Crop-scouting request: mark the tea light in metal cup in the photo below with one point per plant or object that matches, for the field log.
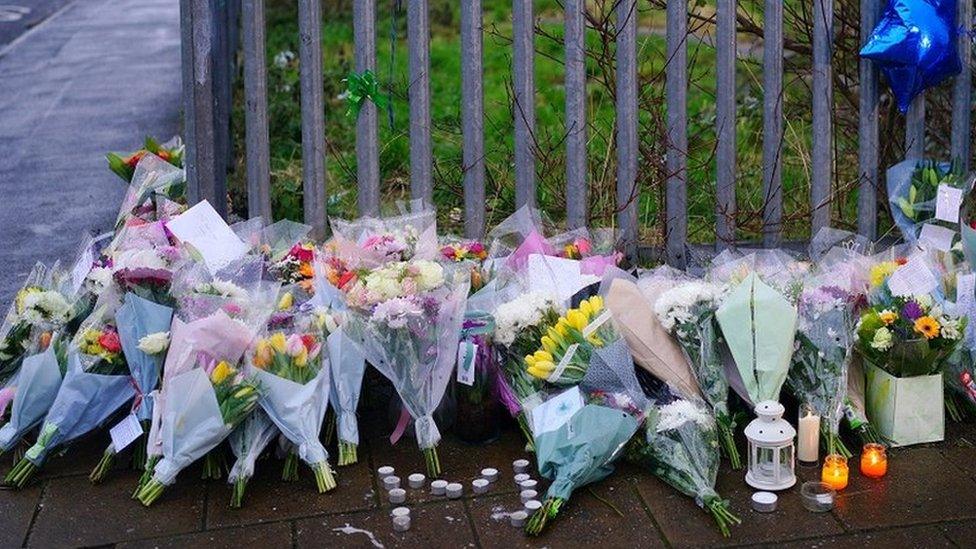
(454, 490)
(520, 465)
(385, 471)
(490, 474)
(518, 518)
(391, 482)
(401, 524)
(479, 485)
(400, 512)
(520, 478)
(416, 480)
(527, 495)
(398, 495)
(764, 502)
(438, 487)
(530, 484)
(532, 506)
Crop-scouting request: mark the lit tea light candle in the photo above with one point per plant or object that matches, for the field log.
(808, 435)
(874, 460)
(834, 472)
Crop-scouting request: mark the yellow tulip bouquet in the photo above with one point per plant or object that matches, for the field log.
(563, 355)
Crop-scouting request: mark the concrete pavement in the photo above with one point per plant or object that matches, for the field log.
(96, 76)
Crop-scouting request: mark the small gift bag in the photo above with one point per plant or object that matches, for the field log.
(906, 410)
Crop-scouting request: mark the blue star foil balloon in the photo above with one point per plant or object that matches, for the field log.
(914, 44)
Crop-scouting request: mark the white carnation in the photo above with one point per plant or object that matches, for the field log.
(674, 307)
(526, 311)
(674, 415)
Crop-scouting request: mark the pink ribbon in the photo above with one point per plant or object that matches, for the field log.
(401, 425)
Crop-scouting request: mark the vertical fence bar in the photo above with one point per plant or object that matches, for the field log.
(772, 122)
(256, 111)
(313, 114)
(725, 118)
(867, 142)
(915, 128)
(204, 180)
(823, 100)
(577, 209)
(418, 35)
(367, 138)
(472, 119)
(627, 152)
(676, 74)
(222, 84)
(962, 88)
(523, 109)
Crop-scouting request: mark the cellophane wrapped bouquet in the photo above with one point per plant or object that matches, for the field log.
(290, 366)
(143, 330)
(125, 165)
(289, 253)
(406, 317)
(687, 311)
(913, 188)
(204, 393)
(96, 384)
(157, 191)
(679, 443)
(580, 432)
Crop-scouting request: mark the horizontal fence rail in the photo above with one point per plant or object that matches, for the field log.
(210, 41)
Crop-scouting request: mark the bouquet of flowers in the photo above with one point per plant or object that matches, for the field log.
(564, 352)
(125, 166)
(680, 445)
(38, 308)
(148, 272)
(32, 391)
(470, 252)
(912, 190)
(144, 337)
(612, 391)
(295, 381)
(407, 318)
(908, 335)
(157, 191)
(478, 376)
(375, 241)
(576, 451)
(207, 330)
(96, 385)
(688, 312)
(247, 442)
(203, 407)
(289, 253)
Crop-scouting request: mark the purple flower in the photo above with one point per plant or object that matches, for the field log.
(912, 310)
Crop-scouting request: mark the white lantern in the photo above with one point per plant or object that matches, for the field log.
(771, 455)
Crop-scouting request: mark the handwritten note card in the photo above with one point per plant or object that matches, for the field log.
(202, 227)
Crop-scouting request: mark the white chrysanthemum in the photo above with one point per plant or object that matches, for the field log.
(950, 329)
(674, 306)
(46, 306)
(882, 340)
(431, 274)
(674, 415)
(154, 344)
(223, 288)
(138, 259)
(526, 311)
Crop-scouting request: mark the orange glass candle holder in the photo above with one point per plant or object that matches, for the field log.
(874, 460)
(834, 472)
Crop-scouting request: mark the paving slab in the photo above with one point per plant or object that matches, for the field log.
(17, 509)
(929, 537)
(921, 486)
(278, 534)
(74, 513)
(438, 524)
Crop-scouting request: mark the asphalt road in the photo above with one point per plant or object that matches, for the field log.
(19, 16)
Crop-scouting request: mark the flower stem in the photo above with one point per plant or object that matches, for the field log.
(139, 449)
(727, 438)
(433, 462)
(524, 426)
(237, 494)
(101, 470)
(538, 521)
(147, 474)
(150, 492)
(323, 477)
(348, 454)
(21, 473)
(724, 518)
(213, 466)
(330, 428)
(289, 473)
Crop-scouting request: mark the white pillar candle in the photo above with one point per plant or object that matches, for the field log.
(808, 435)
